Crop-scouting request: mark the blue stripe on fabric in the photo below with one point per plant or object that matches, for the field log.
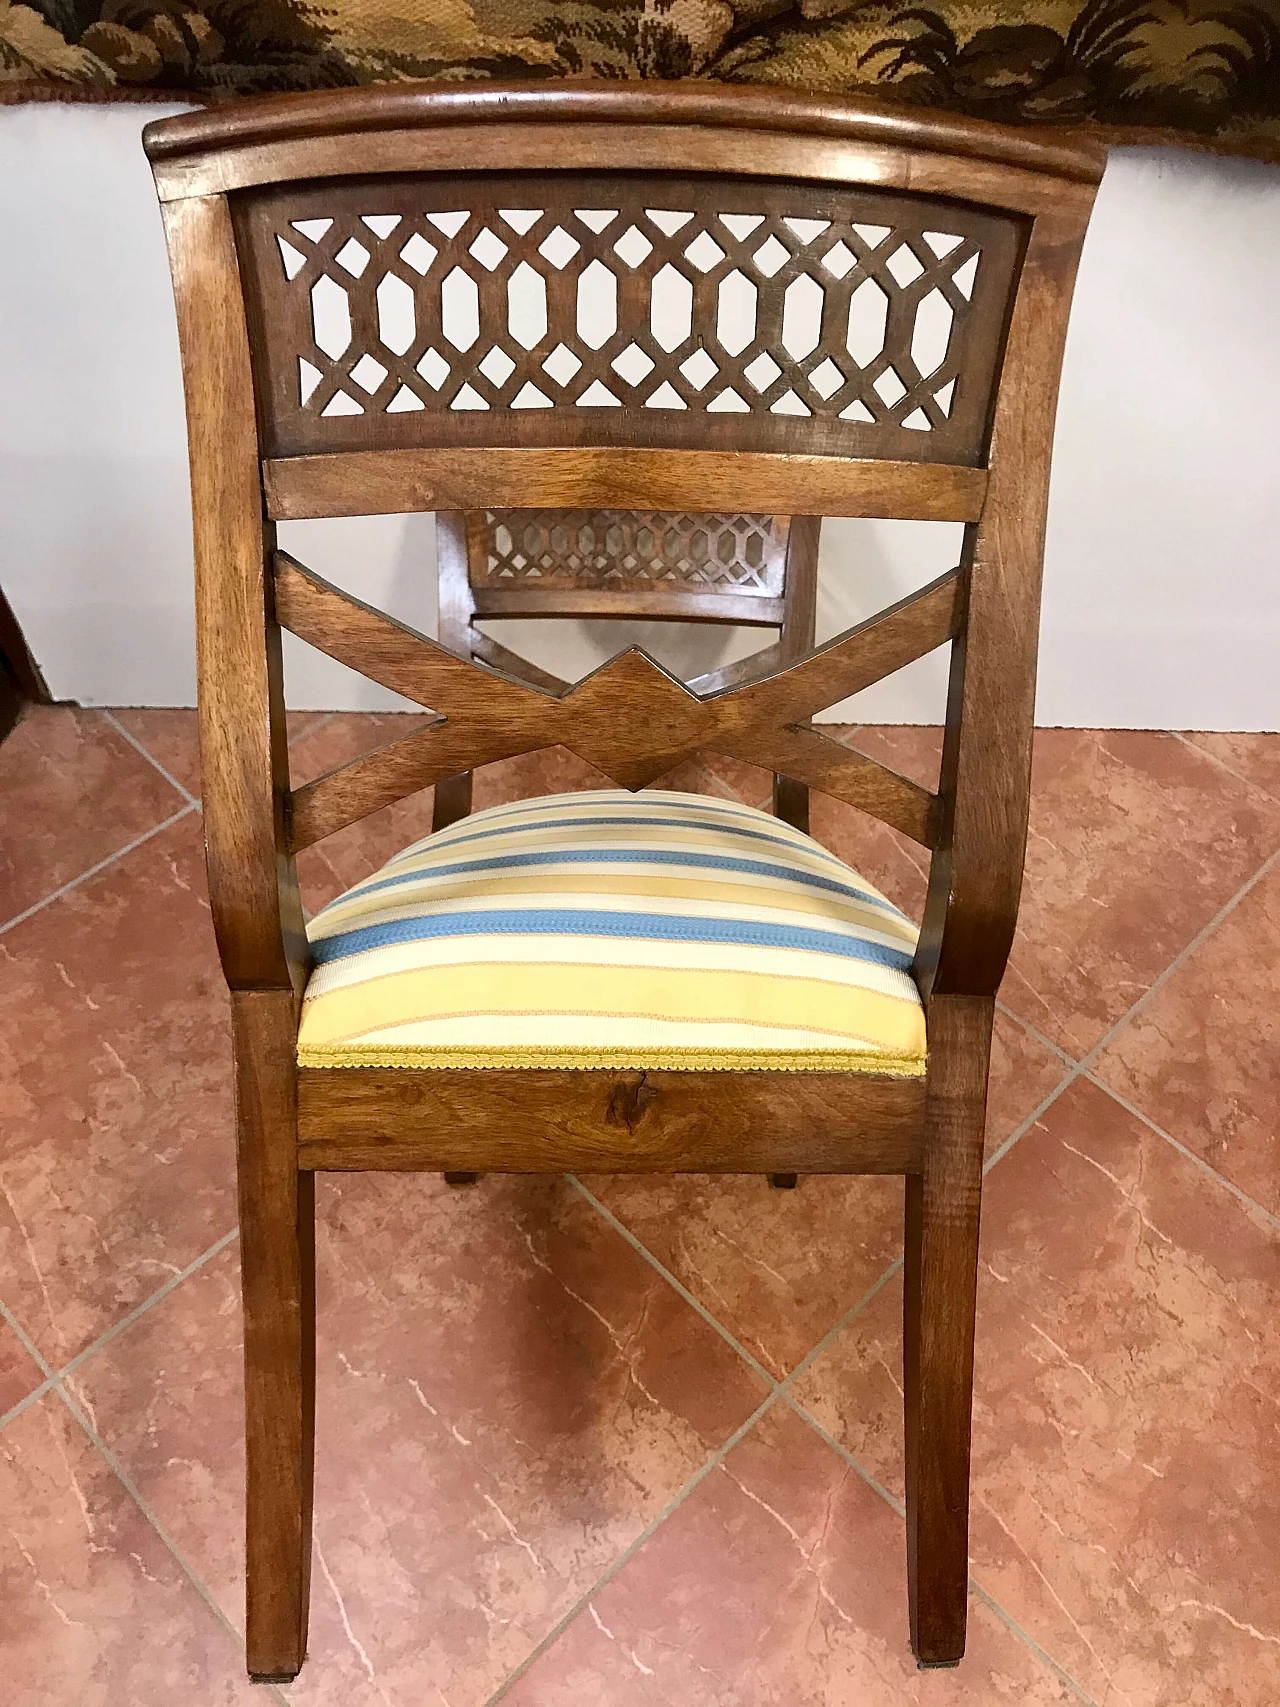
(513, 812)
(579, 922)
(626, 856)
(668, 823)
(422, 849)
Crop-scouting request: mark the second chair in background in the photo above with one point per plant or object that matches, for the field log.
(740, 570)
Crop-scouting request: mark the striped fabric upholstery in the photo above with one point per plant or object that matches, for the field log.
(610, 929)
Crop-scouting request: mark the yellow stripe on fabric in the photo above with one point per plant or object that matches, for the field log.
(689, 820)
(649, 801)
(626, 1031)
(642, 838)
(520, 1034)
(693, 995)
(618, 954)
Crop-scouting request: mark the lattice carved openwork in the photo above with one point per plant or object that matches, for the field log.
(629, 550)
(630, 719)
(671, 311)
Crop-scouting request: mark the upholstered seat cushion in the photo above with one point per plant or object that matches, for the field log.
(610, 929)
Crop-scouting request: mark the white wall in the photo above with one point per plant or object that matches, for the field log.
(1162, 601)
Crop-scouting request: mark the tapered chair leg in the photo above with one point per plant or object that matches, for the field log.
(940, 1288)
(277, 1256)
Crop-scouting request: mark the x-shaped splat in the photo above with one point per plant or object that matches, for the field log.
(630, 718)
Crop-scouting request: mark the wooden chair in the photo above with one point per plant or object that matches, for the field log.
(748, 571)
(936, 258)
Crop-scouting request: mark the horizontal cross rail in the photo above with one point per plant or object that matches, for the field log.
(630, 719)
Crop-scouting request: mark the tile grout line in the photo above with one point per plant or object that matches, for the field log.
(1250, 1203)
(1178, 961)
(553, 1635)
(1083, 1067)
(1204, 753)
(987, 1598)
(672, 1280)
(54, 1373)
(94, 870)
(1039, 1036)
(1037, 1113)
(33, 1351)
(838, 1327)
(127, 1483)
(322, 720)
(1025, 1636)
(170, 1285)
(109, 716)
(843, 1452)
(53, 1383)
(25, 1403)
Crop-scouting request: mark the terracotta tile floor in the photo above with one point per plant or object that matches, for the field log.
(606, 1441)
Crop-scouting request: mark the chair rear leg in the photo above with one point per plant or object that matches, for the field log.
(940, 1288)
(452, 800)
(791, 802)
(277, 1255)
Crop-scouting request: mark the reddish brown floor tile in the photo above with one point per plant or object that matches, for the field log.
(171, 736)
(779, 1582)
(690, 777)
(748, 783)
(330, 867)
(19, 1372)
(115, 1095)
(854, 1387)
(1023, 1072)
(74, 791)
(97, 1611)
(776, 1268)
(913, 750)
(779, 1268)
(897, 866)
(1202, 1057)
(1256, 758)
(1136, 841)
(553, 770)
(1126, 1441)
(507, 1395)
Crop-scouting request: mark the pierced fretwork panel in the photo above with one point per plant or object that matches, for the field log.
(629, 550)
(671, 311)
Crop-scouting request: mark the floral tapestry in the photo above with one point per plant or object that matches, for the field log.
(1208, 74)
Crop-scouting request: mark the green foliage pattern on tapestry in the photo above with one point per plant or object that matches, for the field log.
(1210, 70)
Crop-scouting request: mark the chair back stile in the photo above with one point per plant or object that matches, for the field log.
(630, 344)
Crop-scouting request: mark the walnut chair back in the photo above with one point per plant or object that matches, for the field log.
(663, 299)
(744, 570)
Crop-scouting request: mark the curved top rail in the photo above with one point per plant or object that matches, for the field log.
(401, 106)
